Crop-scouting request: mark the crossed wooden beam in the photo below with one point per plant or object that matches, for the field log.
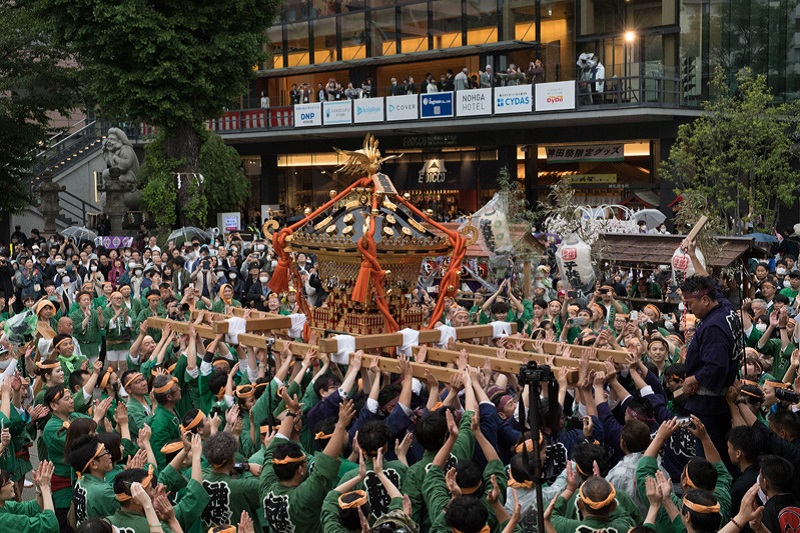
(258, 324)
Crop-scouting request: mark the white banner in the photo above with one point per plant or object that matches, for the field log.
(555, 96)
(402, 107)
(307, 115)
(338, 112)
(368, 110)
(513, 99)
(470, 103)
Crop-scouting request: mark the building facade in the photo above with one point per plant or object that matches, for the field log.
(608, 136)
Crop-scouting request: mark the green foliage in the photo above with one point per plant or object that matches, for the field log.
(518, 208)
(33, 81)
(226, 185)
(162, 62)
(737, 156)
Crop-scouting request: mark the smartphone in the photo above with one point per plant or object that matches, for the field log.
(579, 321)
(684, 421)
(651, 327)
(572, 294)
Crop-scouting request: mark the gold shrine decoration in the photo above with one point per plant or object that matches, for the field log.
(364, 162)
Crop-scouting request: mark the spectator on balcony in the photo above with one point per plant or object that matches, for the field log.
(431, 86)
(305, 93)
(322, 95)
(461, 81)
(424, 87)
(512, 76)
(294, 95)
(473, 82)
(333, 90)
(536, 72)
(410, 85)
(396, 89)
(487, 78)
(366, 88)
(264, 100)
(351, 93)
(446, 81)
(103, 225)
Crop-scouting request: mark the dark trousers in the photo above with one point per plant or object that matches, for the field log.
(63, 524)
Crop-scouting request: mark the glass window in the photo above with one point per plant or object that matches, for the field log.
(446, 26)
(383, 33)
(482, 21)
(558, 41)
(297, 44)
(522, 20)
(324, 40)
(274, 48)
(414, 28)
(354, 37)
(294, 10)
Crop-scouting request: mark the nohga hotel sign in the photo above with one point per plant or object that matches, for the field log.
(476, 102)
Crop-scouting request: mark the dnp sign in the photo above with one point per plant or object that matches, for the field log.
(436, 105)
(308, 115)
(513, 99)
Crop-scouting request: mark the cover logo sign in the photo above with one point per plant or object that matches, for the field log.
(338, 112)
(432, 171)
(513, 99)
(569, 254)
(368, 110)
(555, 96)
(436, 105)
(306, 115)
(474, 102)
(402, 107)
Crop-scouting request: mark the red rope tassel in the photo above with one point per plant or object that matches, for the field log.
(279, 281)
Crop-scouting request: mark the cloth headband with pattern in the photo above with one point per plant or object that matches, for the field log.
(172, 447)
(703, 509)
(288, 460)
(245, 391)
(62, 341)
(47, 366)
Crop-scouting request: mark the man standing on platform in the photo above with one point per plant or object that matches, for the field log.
(714, 354)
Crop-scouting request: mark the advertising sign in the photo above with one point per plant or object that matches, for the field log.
(436, 105)
(474, 103)
(307, 115)
(555, 96)
(337, 112)
(402, 107)
(368, 110)
(587, 153)
(513, 99)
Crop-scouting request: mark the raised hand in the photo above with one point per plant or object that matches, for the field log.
(246, 523)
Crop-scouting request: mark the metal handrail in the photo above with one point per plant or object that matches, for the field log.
(79, 206)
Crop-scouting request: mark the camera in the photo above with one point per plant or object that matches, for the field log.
(241, 468)
(532, 372)
(786, 395)
(270, 342)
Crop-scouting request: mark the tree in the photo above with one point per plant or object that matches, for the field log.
(737, 156)
(172, 64)
(34, 79)
(226, 187)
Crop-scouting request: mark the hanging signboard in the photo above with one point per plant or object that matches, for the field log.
(591, 153)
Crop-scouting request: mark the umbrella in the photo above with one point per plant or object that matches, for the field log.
(762, 237)
(179, 236)
(653, 217)
(79, 233)
(545, 236)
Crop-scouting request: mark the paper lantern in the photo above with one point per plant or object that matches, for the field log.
(682, 266)
(574, 258)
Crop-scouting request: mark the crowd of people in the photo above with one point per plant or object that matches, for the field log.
(448, 81)
(142, 429)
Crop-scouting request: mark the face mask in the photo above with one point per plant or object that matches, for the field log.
(61, 271)
(761, 327)
(786, 283)
(668, 324)
(681, 307)
(127, 254)
(93, 268)
(233, 276)
(780, 271)
(263, 279)
(234, 250)
(260, 247)
(138, 272)
(274, 263)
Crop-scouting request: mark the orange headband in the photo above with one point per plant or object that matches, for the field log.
(58, 396)
(170, 368)
(777, 384)
(166, 387)
(145, 482)
(196, 420)
(231, 529)
(220, 362)
(288, 460)
(245, 391)
(580, 470)
(260, 385)
(697, 508)
(597, 505)
(514, 484)
(653, 308)
(750, 382)
(172, 447)
(472, 490)
(753, 394)
(484, 529)
(322, 436)
(133, 378)
(688, 479)
(48, 366)
(358, 502)
(265, 429)
(106, 377)
(100, 448)
(62, 341)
